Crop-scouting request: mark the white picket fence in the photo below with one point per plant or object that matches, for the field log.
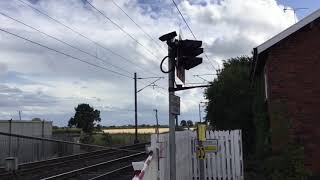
(226, 164)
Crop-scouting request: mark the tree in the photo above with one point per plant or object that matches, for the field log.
(36, 119)
(85, 118)
(183, 123)
(230, 100)
(189, 123)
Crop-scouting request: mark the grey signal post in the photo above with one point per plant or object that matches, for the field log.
(172, 136)
(186, 52)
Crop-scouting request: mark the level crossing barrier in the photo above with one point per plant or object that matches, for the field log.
(140, 173)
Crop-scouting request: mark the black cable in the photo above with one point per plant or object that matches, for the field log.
(80, 34)
(169, 70)
(64, 42)
(57, 51)
(119, 27)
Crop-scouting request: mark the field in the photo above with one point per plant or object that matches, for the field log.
(118, 139)
(132, 131)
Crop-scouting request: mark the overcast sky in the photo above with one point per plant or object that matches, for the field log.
(42, 83)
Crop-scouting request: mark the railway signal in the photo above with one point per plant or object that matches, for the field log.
(182, 54)
(188, 50)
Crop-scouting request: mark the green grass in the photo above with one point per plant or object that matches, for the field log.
(104, 139)
(66, 130)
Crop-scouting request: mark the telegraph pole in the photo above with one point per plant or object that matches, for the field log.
(135, 110)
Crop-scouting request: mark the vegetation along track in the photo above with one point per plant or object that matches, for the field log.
(51, 167)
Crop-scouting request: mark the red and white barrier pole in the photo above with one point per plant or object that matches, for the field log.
(139, 174)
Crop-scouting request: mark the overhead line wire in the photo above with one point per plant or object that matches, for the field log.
(89, 39)
(96, 43)
(175, 4)
(65, 54)
(57, 39)
(119, 27)
(147, 34)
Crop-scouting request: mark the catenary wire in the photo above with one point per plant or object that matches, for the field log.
(147, 34)
(175, 4)
(94, 42)
(65, 54)
(119, 27)
(83, 36)
(57, 39)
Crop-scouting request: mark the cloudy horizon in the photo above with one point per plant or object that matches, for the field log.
(45, 84)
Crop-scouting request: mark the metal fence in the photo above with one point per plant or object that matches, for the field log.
(30, 149)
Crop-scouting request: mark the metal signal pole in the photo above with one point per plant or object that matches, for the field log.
(172, 136)
(186, 52)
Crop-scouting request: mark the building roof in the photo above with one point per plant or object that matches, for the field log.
(266, 45)
(277, 38)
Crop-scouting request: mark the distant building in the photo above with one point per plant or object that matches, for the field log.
(288, 65)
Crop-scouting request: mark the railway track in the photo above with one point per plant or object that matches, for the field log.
(102, 170)
(52, 167)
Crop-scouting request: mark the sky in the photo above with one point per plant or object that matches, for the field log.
(43, 83)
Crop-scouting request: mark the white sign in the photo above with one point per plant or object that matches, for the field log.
(210, 145)
(175, 105)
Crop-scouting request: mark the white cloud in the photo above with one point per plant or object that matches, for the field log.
(228, 28)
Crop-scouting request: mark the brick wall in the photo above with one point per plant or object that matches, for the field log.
(293, 70)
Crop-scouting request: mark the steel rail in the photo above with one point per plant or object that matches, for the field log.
(40, 166)
(112, 172)
(29, 168)
(77, 171)
(123, 148)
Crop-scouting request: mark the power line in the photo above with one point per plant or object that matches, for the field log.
(183, 19)
(68, 55)
(147, 34)
(156, 86)
(94, 42)
(64, 42)
(175, 4)
(89, 39)
(119, 27)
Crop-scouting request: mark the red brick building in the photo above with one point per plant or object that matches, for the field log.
(290, 66)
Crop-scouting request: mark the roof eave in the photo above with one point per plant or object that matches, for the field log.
(292, 29)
